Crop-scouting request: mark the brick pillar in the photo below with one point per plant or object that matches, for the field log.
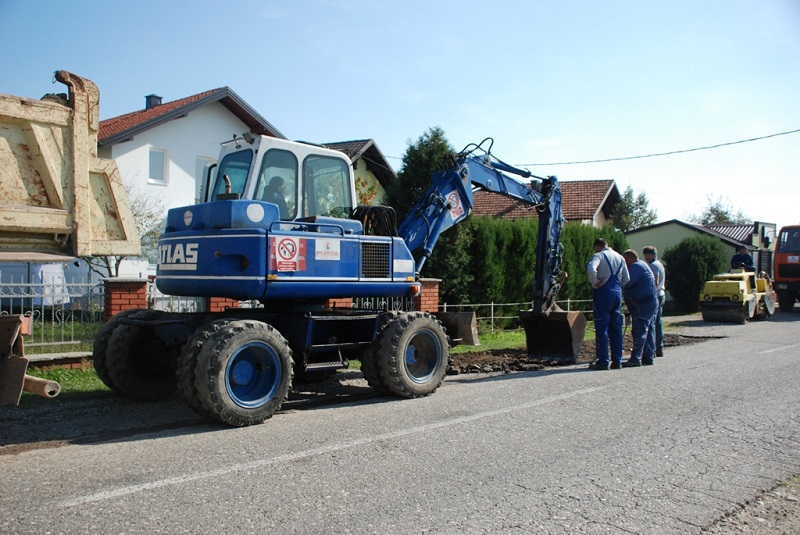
(428, 300)
(219, 304)
(340, 302)
(124, 294)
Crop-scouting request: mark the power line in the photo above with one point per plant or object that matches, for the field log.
(664, 153)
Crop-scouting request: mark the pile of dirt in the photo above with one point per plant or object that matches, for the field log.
(508, 360)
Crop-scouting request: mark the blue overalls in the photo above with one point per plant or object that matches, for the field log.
(607, 301)
(642, 300)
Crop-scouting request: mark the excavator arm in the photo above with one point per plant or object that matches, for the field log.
(449, 200)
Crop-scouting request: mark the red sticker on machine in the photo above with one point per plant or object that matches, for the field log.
(287, 254)
(456, 208)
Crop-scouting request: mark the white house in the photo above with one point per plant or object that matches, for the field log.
(163, 149)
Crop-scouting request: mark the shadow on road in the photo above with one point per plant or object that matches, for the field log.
(108, 417)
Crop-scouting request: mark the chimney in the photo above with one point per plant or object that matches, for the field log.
(151, 101)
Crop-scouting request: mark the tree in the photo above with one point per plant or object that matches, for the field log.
(719, 212)
(421, 159)
(632, 211)
(451, 257)
(689, 265)
(148, 216)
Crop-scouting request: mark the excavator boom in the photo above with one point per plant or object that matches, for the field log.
(551, 334)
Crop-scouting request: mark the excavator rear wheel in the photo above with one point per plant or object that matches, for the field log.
(412, 355)
(139, 363)
(100, 346)
(244, 372)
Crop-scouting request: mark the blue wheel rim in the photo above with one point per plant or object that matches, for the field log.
(422, 356)
(253, 375)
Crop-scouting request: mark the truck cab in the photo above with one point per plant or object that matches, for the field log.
(786, 267)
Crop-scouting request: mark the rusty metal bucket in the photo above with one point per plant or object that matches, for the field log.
(13, 363)
(461, 327)
(555, 337)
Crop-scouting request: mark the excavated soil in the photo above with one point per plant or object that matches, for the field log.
(508, 360)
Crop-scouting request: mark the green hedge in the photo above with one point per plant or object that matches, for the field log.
(689, 264)
(492, 260)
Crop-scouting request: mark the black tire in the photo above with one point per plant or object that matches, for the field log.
(139, 362)
(100, 347)
(369, 357)
(244, 372)
(413, 355)
(186, 371)
(785, 301)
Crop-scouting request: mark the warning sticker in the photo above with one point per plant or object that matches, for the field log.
(456, 208)
(287, 254)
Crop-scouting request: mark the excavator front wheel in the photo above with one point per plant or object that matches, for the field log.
(243, 372)
(412, 355)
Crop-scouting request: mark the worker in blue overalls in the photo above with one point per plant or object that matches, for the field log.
(607, 275)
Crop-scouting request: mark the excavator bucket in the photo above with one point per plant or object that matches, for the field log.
(553, 337)
(461, 327)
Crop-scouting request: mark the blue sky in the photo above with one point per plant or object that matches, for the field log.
(551, 82)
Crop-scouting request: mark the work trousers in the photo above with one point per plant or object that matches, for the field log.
(659, 328)
(643, 333)
(607, 304)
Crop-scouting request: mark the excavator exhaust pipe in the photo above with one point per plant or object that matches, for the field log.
(554, 337)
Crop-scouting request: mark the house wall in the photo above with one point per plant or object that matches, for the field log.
(361, 171)
(665, 236)
(764, 235)
(196, 135)
(600, 220)
(662, 237)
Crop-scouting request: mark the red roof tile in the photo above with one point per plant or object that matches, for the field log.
(115, 125)
(580, 200)
(124, 127)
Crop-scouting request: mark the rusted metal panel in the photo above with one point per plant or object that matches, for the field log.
(57, 198)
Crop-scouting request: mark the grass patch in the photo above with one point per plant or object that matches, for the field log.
(84, 380)
(75, 384)
(495, 340)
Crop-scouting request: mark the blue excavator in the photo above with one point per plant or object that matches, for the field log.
(278, 227)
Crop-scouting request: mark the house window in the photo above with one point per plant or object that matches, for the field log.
(158, 166)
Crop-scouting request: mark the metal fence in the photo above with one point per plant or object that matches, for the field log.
(493, 316)
(66, 316)
(172, 303)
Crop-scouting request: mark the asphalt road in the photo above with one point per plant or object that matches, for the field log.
(662, 449)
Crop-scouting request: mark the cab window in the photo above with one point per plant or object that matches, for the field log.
(789, 241)
(277, 182)
(327, 186)
(236, 166)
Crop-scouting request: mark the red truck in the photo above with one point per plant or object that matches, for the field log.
(786, 267)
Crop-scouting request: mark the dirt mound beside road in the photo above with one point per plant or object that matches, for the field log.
(508, 360)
